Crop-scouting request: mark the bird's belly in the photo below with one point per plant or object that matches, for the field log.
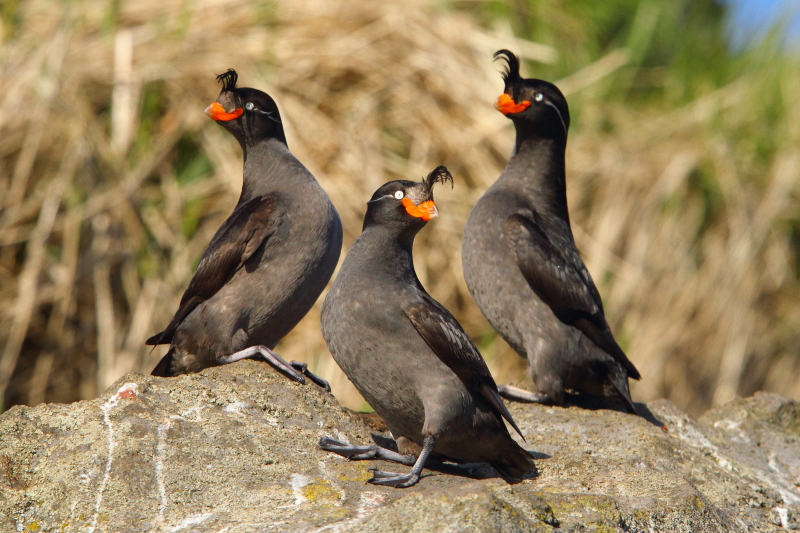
(394, 371)
(503, 295)
(497, 285)
(261, 304)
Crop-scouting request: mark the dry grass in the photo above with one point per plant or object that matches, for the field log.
(113, 181)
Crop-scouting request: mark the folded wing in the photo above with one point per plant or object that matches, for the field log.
(235, 242)
(559, 278)
(453, 346)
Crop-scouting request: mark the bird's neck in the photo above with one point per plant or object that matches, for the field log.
(378, 243)
(269, 166)
(538, 165)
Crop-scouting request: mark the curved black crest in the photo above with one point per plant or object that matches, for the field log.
(511, 73)
(439, 174)
(228, 79)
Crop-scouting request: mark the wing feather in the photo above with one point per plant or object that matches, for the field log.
(248, 227)
(556, 273)
(452, 345)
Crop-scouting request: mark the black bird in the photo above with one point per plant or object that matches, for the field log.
(406, 354)
(522, 266)
(268, 262)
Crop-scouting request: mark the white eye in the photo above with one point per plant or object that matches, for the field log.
(249, 106)
(538, 97)
(399, 195)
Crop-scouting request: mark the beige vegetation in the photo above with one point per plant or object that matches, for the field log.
(112, 182)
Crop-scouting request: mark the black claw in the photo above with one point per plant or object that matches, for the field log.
(303, 367)
(299, 379)
(318, 380)
(288, 372)
(293, 376)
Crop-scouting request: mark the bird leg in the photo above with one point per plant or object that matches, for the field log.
(264, 354)
(373, 451)
(515, 394)
(303, 368)
(401, 481)
(379, 477)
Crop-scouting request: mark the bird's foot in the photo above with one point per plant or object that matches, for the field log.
(515, 394)
(264, 354)
(359, 453)
(303, 369)
(380, 477)
(392, 479)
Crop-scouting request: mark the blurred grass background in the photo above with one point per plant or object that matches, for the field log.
(683, 170)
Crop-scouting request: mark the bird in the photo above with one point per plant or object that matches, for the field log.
(268, 262)
(521, 264)
(406, 354)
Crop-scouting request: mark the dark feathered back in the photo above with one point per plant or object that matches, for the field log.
(228, 79)
(511, 72)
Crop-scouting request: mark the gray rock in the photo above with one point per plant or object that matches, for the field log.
(233, 449)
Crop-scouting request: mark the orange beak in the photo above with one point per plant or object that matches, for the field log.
(505, 104)
(425, 210)
(218, 113)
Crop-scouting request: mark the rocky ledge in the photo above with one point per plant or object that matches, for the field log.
(233, 449)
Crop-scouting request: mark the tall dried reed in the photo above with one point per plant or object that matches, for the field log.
(112, 182)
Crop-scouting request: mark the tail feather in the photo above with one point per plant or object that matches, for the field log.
(164, 367)
(165, 337)
(492, 395)
(514, 462)
(619, 388)
(158, 338)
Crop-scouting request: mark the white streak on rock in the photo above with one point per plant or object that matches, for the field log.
(236, 408)
(783, 514)
(691, 435)
(780, 482)
(191, 521)
(727, 424)
(732, 425)
(161, 452)
(128, 390)
(297, 483)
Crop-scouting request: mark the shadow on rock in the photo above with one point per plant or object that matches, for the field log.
(465, 470)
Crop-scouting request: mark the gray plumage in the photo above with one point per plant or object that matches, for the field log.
(270, 260)
(406, 354)
(521, 264)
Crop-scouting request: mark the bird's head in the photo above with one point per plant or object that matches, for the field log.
(406, 204)
(249, 114)
(533, 104)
